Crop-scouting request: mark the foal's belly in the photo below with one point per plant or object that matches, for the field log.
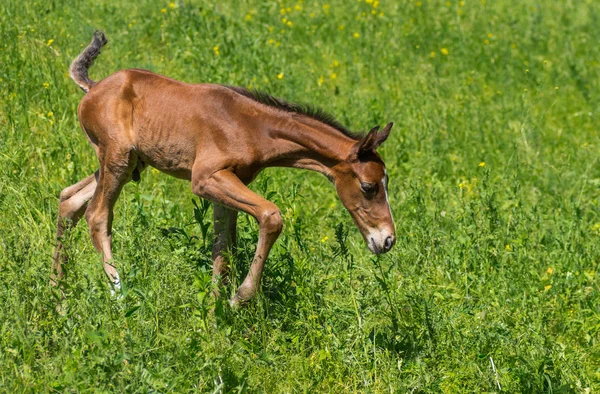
(170, 155)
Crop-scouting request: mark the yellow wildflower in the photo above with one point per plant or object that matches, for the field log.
(550, 270)
(333, 75)
(271, 41)
(324, 239)
(482, 164)
(356, 35)
(216, 50)
(547, 287)
(46, 85)
(171, 5)
(248, 17)
(444, 51)
(280, 76)
(486, 42)
(163, 10)
(50, 114)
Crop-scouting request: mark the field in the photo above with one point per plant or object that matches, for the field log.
(494, 282)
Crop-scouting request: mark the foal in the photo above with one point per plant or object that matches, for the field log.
(219, 138)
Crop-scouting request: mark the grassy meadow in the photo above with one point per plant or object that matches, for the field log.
(494, 282)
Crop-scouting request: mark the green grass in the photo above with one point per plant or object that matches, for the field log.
(494, 186)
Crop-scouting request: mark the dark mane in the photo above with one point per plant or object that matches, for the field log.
(302, 109)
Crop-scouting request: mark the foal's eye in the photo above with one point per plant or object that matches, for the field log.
(368, 188)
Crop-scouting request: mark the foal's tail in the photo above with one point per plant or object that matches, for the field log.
(79, 67)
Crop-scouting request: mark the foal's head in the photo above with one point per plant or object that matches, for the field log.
(362, 182)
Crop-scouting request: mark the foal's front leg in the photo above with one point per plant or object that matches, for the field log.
(224, 223)
(225, 188)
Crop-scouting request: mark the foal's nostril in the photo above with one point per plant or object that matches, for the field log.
(389, 242)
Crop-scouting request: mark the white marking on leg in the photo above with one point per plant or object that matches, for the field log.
(117, 281)
(115, 289)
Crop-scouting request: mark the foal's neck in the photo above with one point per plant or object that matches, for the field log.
(313, 145)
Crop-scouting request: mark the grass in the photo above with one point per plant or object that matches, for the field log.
(493, 284)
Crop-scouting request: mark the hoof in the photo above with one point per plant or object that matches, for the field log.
(61, 310)
(242, 297)
(115, 290)
(236, 302)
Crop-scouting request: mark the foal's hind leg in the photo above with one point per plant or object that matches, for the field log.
(225, 223)
(73, 202)
(116, 168)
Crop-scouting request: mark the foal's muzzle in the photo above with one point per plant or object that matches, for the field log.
(380, 242)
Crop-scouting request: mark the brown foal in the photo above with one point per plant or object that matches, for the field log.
(219, 138)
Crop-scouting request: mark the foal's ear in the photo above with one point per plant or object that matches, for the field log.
(368, 141)
(384, 134)
(373, 139)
